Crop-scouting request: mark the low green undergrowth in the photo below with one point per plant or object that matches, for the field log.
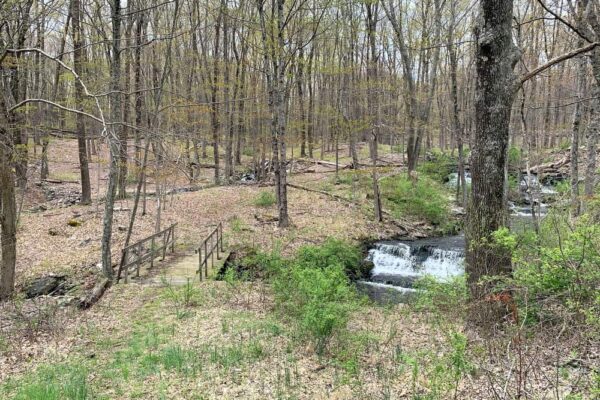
(424, 199)
(313, 290)
(438, 167)
(556, 274)
(51, 382)
(265, 199)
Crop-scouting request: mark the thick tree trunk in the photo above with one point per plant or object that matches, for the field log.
(78, 61)
(496, 56)
(8, 214)
(18, 87)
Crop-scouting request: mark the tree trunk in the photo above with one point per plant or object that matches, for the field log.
(575, 133)
(8, 214)
(78, 61)
(593, 128)
(113, 140)
(300, 87)
(227, 99)
(137, 82)
(214, 107)
(496, 56)
(373, 97)
(456, 128)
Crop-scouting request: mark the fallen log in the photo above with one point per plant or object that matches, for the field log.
(325, 163)
(407, 229)
(58, 181)
(335, 196)
(551, 167)
(95, 294)
(385, 165)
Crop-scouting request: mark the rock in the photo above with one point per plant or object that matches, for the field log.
(265, 218)
(47, 285)
(248, 178)
(122, 228)
(40, 208)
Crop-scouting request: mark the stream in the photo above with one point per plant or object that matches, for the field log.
(398, 264)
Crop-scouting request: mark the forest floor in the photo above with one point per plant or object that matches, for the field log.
(221, 340)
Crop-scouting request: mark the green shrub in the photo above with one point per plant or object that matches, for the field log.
(318, 300)
(438, 166)
(333, 252)
(313, 290)
(558, 266)
(265, 199)
(425, 199)
(514, 158)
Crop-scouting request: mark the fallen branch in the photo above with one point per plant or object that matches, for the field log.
(57, 181)
(95, 295)
(335, 196)
(325, 163)
(392, 219)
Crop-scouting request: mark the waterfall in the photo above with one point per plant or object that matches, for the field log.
(397, 265)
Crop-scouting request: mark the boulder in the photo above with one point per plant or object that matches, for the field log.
(47, 285)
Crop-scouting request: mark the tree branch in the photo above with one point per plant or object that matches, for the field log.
(27, 101)
(71, 70)
(565, 22)
(555, 61)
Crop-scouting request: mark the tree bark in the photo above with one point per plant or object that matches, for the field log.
(496, 56)
(575, 133)
(78, 61)
(456, 128)
(213, 95)
(593, 129)
(113, 140)
(8, 212)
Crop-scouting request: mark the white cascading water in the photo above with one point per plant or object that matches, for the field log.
(417, 261)
(397, 265)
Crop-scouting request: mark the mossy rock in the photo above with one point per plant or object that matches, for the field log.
(74, 223)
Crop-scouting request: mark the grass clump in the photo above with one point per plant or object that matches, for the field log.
(50, 382)
(265, 199)
(424, 199)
